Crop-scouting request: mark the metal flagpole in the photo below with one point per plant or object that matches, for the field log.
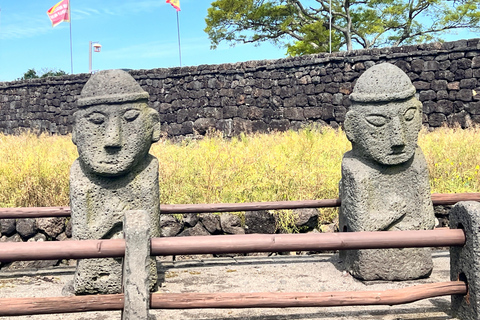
(179, 47)
(71, 46)
(330, 26)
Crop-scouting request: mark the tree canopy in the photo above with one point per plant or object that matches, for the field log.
(302, 26)
(44, 73)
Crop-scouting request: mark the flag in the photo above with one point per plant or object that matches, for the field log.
(59, 12)
(175, 4)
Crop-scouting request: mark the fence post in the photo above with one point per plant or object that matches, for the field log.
(465, 261)
(136, 265)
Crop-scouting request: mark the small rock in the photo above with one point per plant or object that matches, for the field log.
(211, 222)
(231, 224)
(7, 227)
(51, 226)
(198, 230)
(306, 219)
(27, 228)
(62, 237)
(169, 226)
(260, 222)
(442, 210)
(15, 238)
(190, 219)
(39, 237)
(68, 289)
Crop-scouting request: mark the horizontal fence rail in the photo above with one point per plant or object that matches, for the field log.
(307, 242)
(56, 250)
(310, 299)
(14, 251)
(32, 306)
(42, 212)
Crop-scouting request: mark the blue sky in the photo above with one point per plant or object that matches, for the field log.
(139, 34)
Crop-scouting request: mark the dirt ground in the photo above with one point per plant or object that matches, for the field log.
(280, 273)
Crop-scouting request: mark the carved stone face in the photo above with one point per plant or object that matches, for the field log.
(385, 132)
(112, 139)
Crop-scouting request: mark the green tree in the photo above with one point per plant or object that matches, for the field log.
(44, 73)
(303, 26)
(30, 74)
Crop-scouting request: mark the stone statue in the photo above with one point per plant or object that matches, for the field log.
(384, 183)
(113, 131)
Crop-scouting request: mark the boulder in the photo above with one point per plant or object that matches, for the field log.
(51, 226)
(198, 230)
(26, 228)
(260, 221)
(231, 224)
(190, 219)
(7, 227)
(15, 238)
(306, 219)
(211, 222)
(169, 226)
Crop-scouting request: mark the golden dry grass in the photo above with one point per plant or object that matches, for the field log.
(262, 167)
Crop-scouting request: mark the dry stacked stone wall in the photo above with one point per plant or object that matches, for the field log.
(266, 95)
(60, 229)
(263, 222)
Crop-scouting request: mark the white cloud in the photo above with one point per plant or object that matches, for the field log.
(16, 26)
(84, 13)
(158, 49)
(121, 9)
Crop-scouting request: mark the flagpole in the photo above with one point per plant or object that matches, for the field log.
(330, 26)
(71, 46)
(179, 47)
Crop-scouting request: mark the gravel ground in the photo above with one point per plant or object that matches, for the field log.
(281, 273)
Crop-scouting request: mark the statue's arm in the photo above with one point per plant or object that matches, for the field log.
(361, 209)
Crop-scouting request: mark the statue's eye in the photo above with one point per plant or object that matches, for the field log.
(410, 114)
(376, 120)
(131, 114)
(96, 117)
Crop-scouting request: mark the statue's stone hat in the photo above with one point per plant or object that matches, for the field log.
(383, 83)
(111, 86)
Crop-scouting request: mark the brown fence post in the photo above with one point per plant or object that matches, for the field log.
(136, 265)
(465, 260)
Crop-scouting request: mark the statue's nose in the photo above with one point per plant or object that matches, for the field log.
(113, 133)
(397, 133)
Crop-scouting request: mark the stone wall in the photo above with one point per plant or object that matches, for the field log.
(261, 96)
(263, 222)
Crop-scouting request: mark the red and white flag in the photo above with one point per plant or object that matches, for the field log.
(175, 4)
(59, 12)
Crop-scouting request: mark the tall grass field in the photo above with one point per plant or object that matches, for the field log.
(305, 165)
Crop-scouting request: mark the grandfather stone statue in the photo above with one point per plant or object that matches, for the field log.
(384, 183)
(113, 131)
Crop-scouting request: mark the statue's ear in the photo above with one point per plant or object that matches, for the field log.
(155, 125)
(349, 126)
